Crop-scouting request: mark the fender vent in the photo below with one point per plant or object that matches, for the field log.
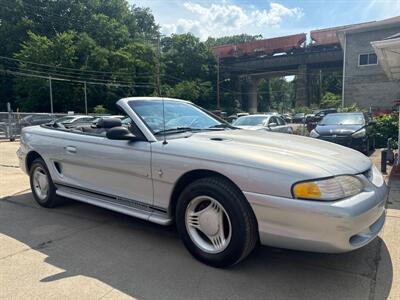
(58, 167)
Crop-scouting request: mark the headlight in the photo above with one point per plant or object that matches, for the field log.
(314, 133)
(330, 189)
(359, 133)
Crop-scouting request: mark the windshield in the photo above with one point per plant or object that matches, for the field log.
(177, 115)
(343, 119)
(250, 121)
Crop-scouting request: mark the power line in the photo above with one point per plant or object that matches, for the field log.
(67, 68)
(67, 76)
(16, 73)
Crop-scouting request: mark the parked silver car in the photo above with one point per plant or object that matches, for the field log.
(268, 122)
(225, 188)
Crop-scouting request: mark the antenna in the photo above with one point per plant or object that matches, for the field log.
(163, 117)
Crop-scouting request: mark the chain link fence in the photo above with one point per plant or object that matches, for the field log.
(11, 123)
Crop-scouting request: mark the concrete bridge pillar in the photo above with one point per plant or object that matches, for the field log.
(302, 86)
(253, 97)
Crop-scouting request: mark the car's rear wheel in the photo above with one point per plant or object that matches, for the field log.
(42, 186)
(215, 222)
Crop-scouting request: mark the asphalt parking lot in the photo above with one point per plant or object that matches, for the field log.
(78, 251)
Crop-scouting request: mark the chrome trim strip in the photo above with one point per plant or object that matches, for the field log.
(119, 204)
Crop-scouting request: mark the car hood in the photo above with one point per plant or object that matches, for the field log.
(276, 152)
(337, 129)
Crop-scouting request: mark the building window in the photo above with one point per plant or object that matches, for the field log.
(367, 59)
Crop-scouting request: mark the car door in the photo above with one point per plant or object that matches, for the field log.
(273, 124)
(97, 164)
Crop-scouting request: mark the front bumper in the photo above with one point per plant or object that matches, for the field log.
(348, 141)
(330, 227)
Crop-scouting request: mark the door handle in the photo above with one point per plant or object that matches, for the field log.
(70, 149)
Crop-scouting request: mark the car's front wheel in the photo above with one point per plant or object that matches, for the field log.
(42, 186)
(215, 222)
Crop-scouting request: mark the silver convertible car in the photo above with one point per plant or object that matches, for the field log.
(227, 189)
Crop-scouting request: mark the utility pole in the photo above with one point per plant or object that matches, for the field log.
(51, 96)
(158, 67)
(218, 104)
(84, 87)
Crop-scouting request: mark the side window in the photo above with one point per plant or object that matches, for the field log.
(367, 59)
(272, 120)
(280, 121)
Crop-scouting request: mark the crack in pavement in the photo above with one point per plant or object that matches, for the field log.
(9, 166)
(46, 244)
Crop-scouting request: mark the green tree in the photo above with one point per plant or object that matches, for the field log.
(330, 100)
(87, 36)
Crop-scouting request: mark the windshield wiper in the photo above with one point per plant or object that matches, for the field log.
(218, 126)
(177, 130)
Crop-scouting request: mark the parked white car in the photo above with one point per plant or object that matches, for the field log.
(225, 188)
(268, 122)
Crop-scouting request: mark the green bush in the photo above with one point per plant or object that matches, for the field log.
(386, 127)
(303, 109)
(100, 109)
(330, 100)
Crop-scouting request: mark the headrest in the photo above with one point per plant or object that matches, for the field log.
(108, 122)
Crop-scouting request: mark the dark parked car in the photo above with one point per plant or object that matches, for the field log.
(299, 118)
(35, 120)
(347, 129)
(288, 117)
(317, 116)
(322, 113)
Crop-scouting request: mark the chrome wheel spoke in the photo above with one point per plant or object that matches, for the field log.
(193, 221)
(218, 240)
(40, 183)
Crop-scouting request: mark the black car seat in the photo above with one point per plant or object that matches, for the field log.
(102, 126)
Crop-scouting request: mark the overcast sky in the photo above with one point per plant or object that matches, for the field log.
(270, 18)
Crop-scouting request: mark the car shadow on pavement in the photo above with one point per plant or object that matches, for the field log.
(148, 261)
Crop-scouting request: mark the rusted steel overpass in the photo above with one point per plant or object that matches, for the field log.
(282, 56)
(302, 64)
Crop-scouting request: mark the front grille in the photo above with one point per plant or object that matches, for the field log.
(338, 139)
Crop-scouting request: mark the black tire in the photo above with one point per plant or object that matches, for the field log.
(244, 233)
(51, 199)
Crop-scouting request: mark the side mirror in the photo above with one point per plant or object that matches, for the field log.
(121, 133)
(272, 125)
